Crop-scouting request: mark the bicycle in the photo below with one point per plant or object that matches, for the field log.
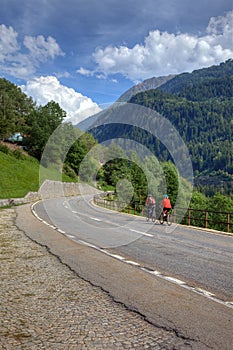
(150, 213)
(165, 216)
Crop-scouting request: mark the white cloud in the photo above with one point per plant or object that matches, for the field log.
(8, 42)
(42, 49)
(164, 53)
(45, 89)
(21, 61)
(85, 72)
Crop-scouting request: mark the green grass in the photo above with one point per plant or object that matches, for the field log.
(20, 174)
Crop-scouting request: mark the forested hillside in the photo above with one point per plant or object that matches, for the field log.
(147, 84)
(36, 124)
(71, 150)
(200, 106)
(197, 77)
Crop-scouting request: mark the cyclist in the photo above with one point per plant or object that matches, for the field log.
(150, 205)
(150, 201)
(166, 204)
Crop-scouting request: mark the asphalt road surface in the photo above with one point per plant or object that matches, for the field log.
(202, 259)
(152, 269)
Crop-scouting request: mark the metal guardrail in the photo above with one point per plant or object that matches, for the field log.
(221, 221)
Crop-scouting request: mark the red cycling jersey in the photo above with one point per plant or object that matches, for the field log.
(166, 203)
(150, 201)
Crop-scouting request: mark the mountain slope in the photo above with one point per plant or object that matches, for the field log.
(189, 80)
(200, 107)
(147, 84)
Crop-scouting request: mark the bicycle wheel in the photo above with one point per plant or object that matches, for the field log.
(169, 219)
(161, 219)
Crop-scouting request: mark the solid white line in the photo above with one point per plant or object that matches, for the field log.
(117, 256)
(132, 262)
(175, 280)
(61, 231)
(205, 292)
(182, 284)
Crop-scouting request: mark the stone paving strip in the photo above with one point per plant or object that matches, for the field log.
(45, 305)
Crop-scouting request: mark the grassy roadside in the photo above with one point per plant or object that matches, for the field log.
(19, 174)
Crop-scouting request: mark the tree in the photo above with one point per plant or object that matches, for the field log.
(172, 180)
(15, 106)
(40, 125)
(83, 144)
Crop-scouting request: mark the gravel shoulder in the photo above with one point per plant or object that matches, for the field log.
(47, 305)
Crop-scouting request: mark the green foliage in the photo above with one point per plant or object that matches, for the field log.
(82, 145)
(200, 106)
(20, 174)
(40, 125)
(215, 211)
(220, 205)
(147, 176)
(198, 77)
(15, 106)
(172, 181)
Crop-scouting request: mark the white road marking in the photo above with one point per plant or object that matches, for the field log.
(141, 233)
(205, 292)
(70, 236)
(132, 262)
(61, 231)
(96, 219)
(176, 281)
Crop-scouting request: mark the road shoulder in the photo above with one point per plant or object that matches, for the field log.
(190, 316)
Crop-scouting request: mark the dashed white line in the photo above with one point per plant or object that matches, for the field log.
(96, 219)
(176, 281)
(141, 232)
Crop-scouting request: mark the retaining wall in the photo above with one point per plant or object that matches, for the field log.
(52, 189)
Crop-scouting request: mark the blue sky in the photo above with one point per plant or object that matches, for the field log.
(85, 53)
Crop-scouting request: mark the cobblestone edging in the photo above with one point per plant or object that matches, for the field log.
(45, 305)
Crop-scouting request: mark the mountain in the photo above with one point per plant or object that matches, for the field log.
(198, 105)
(198, 77)
(147, 84)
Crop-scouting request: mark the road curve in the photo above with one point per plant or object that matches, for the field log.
(199, 258)
(202, 321)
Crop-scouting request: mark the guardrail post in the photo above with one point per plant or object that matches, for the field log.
(206, 219)
(174, 216)
(228, 222)
(189, 216)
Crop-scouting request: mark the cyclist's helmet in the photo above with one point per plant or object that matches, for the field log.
(165, 196)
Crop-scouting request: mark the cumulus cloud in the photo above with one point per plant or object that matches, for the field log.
(8, 42)
(85, 72)
(46, 89)
(42, 49)
(22, 59)
(165, 53)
